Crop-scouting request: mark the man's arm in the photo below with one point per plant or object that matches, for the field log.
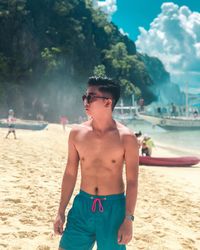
(68, 182)
(132, 162)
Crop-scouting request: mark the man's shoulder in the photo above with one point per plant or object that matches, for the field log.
(123, 129)
(77, 128)
(126, 133)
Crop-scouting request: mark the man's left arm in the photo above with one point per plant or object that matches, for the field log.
(132, 163)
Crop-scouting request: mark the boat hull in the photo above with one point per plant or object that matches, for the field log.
(181, 128)
(169, 161)
(28, 125)
(173, 123)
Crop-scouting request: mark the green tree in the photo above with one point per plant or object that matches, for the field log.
(99, 70)
(155, 69)
(50, 57)
(63, 7)
(119, 59)
(129, 88)
(4, 67)
(60, 43)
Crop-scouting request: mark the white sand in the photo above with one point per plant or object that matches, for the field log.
(31, 169)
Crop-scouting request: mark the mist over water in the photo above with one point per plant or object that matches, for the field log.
(51, 99)
(63, 98)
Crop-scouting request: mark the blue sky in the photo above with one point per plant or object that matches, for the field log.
(169, 30)
(131, 14)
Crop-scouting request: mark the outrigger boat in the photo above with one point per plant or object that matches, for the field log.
(125, 114)
(25, 124)
(173, 123)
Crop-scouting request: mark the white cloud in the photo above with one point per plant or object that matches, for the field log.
(123, 32)
(108, 6)
(174, 37)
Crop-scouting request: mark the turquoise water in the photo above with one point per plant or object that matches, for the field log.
(189, 140)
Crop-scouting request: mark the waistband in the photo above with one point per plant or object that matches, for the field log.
(104, 197)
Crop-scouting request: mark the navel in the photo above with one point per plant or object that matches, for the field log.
(96, 190)
(113, 161)
(82, 159)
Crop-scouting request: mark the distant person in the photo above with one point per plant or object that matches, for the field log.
(195, 113)
(11, 123)
(63, 121)
(101, 212)
(147, 145)
(141, 104)
(40, 117)
(150, 145)
(144, 148)
(159, 111)
(173, 110)
(138, 136)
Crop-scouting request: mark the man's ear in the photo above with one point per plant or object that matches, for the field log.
(108, 102)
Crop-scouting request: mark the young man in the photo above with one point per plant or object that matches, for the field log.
(100, 212)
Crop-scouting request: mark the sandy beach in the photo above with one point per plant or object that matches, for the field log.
(167, 215)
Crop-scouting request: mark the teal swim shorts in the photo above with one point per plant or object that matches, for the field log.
(94, 219)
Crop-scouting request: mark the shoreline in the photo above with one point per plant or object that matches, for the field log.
(178, 151)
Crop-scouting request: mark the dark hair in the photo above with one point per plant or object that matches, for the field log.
(106, 85)
(138, 134)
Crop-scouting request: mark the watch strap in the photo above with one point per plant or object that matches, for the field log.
(130, 217)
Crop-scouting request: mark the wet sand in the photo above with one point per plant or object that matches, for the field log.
(167, 215)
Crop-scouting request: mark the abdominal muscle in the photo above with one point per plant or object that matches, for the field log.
(98, 180)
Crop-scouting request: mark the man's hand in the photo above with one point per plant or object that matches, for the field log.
(125, 232)
(58, 224)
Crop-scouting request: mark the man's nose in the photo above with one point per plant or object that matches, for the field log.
(86, 104)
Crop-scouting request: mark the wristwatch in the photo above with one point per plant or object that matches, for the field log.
(130, 217)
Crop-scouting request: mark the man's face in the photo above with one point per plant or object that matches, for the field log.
(95, 101)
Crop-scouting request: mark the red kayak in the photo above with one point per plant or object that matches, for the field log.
(172, 161)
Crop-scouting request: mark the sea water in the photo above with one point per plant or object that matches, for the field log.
(185, 140)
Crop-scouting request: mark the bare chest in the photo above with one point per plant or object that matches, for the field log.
(96, 149)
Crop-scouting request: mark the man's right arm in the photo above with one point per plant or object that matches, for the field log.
(68, 182)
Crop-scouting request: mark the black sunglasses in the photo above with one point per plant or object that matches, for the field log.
(90, 98)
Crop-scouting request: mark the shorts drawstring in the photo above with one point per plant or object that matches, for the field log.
(100, 204)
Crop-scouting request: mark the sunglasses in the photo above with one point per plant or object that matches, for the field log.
(90, 98)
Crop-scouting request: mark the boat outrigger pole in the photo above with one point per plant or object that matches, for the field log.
(186, 100)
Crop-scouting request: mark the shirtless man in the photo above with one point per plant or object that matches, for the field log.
(100, 212)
